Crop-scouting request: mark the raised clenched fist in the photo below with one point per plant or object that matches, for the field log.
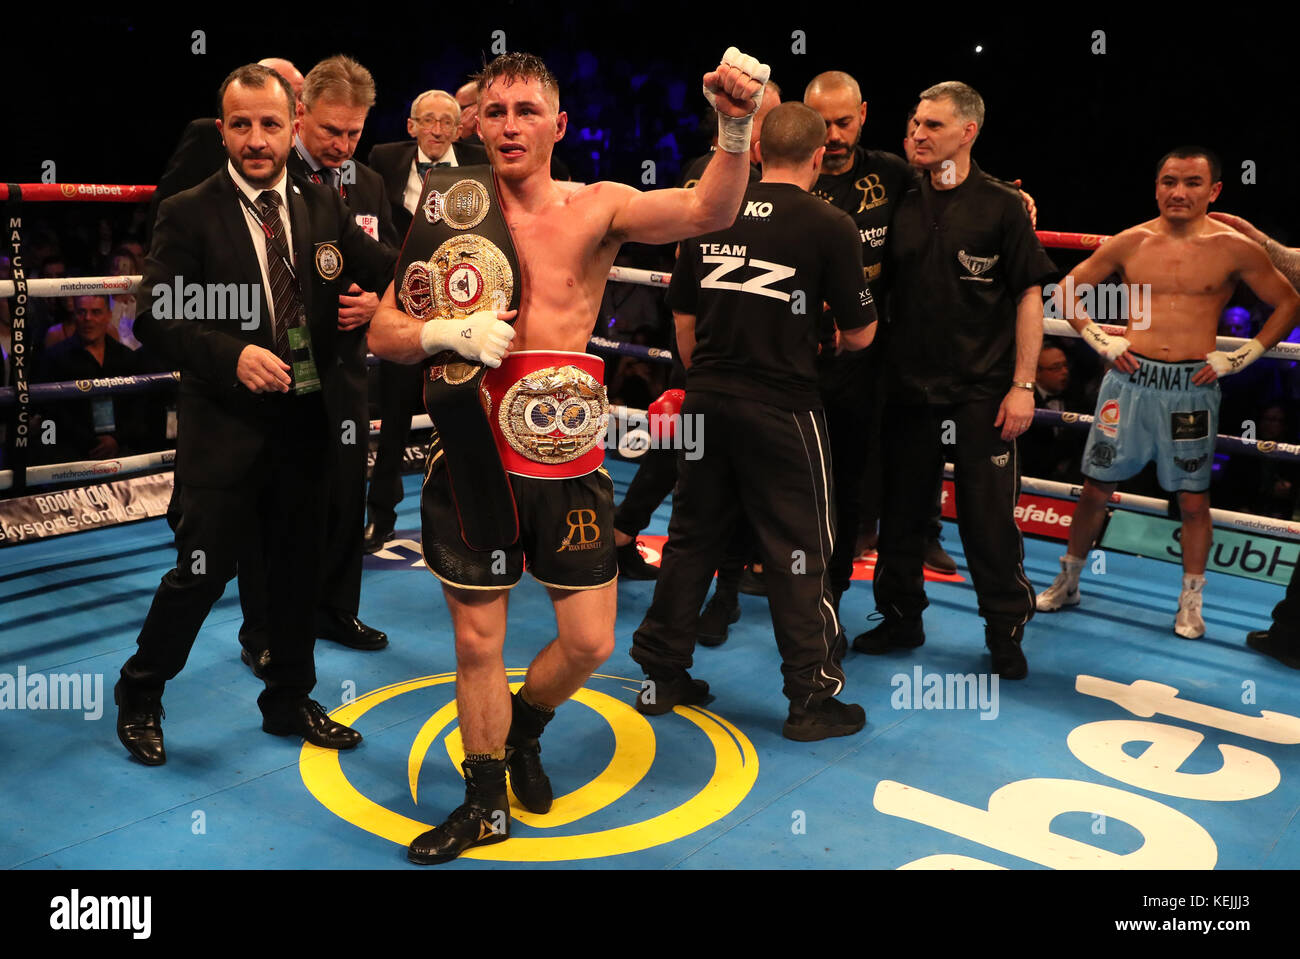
(735, 88)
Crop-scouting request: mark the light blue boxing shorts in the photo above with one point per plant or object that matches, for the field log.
(1159, 414)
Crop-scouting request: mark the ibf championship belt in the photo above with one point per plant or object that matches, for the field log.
(458, 259)
(549, 412)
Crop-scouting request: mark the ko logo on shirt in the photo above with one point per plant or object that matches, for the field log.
(756, 208)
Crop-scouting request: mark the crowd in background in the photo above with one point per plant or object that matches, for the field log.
(112, 241)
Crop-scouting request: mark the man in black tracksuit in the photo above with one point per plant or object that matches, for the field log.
(747, 301)
(865, 184)
(959, 357)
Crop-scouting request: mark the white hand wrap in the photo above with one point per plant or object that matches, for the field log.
(479, 337)
(1237, 360)
(734, 132)
(1108, 346)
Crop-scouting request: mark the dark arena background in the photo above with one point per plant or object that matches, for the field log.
(1127, 748)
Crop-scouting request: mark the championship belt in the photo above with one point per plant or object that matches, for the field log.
(459, 259)
(549, 412)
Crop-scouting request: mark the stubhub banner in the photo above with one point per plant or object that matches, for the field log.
(1240, 554)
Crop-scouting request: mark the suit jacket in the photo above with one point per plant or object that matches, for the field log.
(202, 236)
(393, 162)
(197, 156)
(367, 197)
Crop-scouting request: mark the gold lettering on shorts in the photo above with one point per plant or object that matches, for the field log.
(580, 522)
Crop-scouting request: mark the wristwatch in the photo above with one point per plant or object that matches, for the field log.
(1024, 386)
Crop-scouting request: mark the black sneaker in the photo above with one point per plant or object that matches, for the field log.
(822, 720)
(1004, 646)
(937, 559)
(753, 583)
(524, 756)
(632, 565)
(891, 634)
(719, 613)
(482, 820)
(1263, 641)
(658, 695)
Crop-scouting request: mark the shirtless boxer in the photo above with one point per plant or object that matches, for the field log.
(566, 236)
(1160, 400)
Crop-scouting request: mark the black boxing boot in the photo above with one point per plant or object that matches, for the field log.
(483, 819)
(523, 755)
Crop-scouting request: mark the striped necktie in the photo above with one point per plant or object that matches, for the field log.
(286, 298)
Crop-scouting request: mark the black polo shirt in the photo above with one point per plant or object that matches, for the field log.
(756, 290)
(867, 192)
(956, 267)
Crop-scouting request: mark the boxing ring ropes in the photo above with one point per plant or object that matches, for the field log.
(60, 473)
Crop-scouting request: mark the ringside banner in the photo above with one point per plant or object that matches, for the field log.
(24, 519)
(1039, 515)
(1240, 554)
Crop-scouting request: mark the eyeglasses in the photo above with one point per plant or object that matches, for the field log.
(1054, 368)
(447, 123)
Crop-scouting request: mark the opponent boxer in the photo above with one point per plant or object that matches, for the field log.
(1161, 400)
(566, 237)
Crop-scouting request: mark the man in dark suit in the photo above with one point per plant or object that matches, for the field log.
(254, 437)
(433, 124)
(336, 97)
(105, 426)
(1055, 452)
(199, 153)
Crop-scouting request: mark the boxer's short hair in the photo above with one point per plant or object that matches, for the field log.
(256, 76)
(518, 66)
(792, 132)
(1190, 153)
(339, 78)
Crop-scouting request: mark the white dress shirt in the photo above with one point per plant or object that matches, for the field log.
(255, 230)
(414, 181)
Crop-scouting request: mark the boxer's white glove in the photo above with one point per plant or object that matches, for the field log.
(1237, 360)
(481, 337)
(1108, 346)
(734, 132)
